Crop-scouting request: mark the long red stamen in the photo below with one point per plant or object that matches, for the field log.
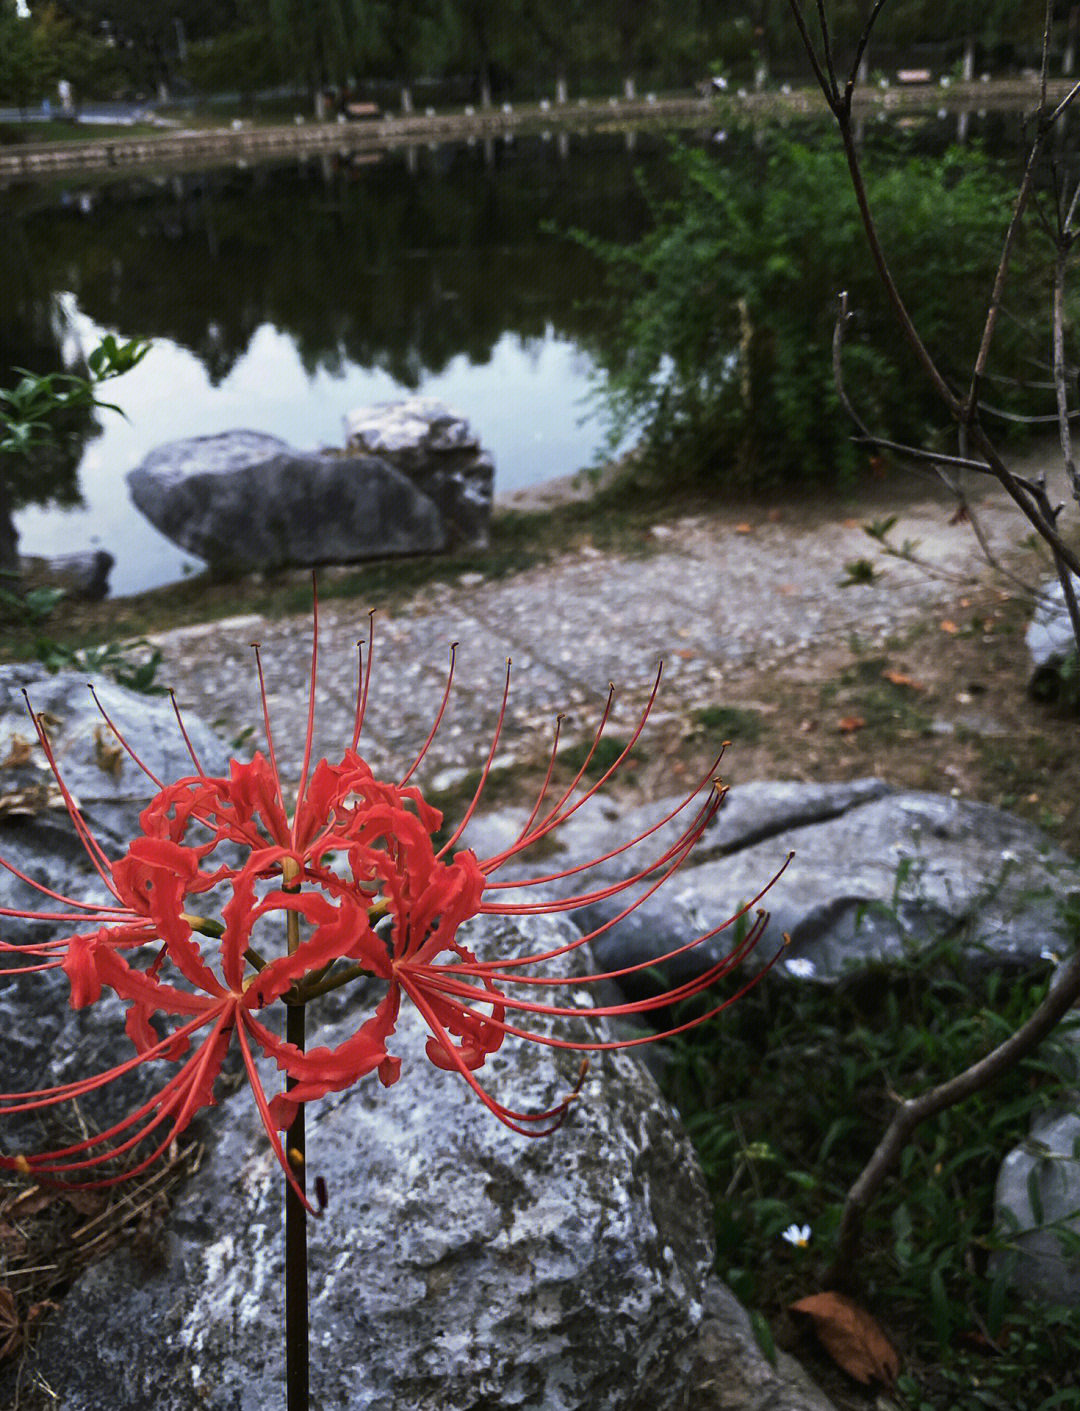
(706, 813)
(484, 773)
(438, 721)
(516, 844)
(361, 708)
(92, 848)
(199, 770)
(266, 726)
(558, 816)
(309, 732)
(122, 742)
(602, 1045)
(95, 907)
(507, 1116)
(264, 1115)
(525, 838)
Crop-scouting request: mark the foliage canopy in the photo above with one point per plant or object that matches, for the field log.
(724, 311)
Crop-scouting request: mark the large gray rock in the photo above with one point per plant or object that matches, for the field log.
(438, 451)
(1048, 1165)
(458, 1265)
(873, 873)
(1050, 640)
(730, 1372)
(46, 1042)
(244, 500)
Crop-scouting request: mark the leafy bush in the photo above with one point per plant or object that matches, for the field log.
(724, 312)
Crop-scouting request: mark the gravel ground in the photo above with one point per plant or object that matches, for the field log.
(720, 599)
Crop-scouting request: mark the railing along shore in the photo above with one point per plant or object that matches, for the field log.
(193, 147)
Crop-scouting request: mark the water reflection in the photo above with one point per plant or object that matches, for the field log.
(525, 401)
(278, 297)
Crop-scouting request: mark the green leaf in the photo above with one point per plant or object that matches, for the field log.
(764, 1336)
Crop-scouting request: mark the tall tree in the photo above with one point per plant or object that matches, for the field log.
(18, 66)
(392, 38)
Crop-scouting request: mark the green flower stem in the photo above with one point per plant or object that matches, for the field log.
(330, 982)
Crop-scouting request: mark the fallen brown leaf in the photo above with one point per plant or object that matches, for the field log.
(85, 1202)
(950, 628)
(32, 1201)
(848, 724)
(21, 751)
(108, 752)
(900, 678)
(851, 1337)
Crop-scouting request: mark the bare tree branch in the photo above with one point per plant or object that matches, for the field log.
(1031, 498)
(913, 1111)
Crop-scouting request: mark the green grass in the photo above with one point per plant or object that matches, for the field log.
(787, 1095)
(731, 723)
(885, 707)
(57, 130)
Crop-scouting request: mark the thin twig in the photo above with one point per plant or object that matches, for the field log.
(939, 462)
(913, 1111)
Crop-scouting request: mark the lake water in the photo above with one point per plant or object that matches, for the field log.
(280, 297)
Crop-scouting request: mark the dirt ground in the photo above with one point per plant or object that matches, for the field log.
(786, 627)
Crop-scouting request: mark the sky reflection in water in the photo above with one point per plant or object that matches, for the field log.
(526, 403)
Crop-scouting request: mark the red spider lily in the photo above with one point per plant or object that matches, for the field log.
(354, 869)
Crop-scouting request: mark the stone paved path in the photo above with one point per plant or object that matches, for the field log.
(715, 601)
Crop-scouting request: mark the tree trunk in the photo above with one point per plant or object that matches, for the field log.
(9, 542)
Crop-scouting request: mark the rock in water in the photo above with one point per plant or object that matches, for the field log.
(243, 501)
(84, 575)
(438, 451)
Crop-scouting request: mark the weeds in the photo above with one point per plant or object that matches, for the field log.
(785, 1099)
(730, 723)
(130, 664)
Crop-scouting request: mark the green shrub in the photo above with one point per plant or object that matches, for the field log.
(721, 354)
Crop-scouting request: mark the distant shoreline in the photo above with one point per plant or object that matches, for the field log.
(189, 148)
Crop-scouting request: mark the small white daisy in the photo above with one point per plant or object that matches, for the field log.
(798, 1235)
